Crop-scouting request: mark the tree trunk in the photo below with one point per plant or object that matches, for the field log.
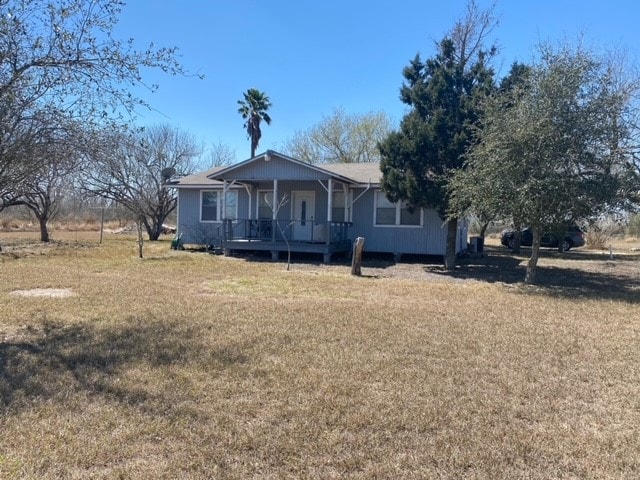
(255, 132)
(483, 229)
(153, 229)
(356, 259)
(532, 265)
(140, 239)
(517, 241)
(450, 253)
(44, 231)
(154, 232)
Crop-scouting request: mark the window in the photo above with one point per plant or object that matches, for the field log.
(231, 209)
(212, 210)
(338, 210)
(265, 199)
(303, 213)
(395, 214)
(209, 207)
(385, 210)
(408, 217)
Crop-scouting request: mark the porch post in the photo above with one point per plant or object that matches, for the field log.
(330, 201)
(274, 206)
(249, 189)
(345, 189)
(329, 216)
(274, 210)
(225, 188)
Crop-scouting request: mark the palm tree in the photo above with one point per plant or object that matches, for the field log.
(253, 110)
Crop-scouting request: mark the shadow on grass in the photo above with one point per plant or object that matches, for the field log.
(589, 275)
(52, 362)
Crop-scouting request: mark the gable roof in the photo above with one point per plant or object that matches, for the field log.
(266, 156)
(256, 168)
(352, 173)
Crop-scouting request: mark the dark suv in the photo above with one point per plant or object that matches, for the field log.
(573, 237)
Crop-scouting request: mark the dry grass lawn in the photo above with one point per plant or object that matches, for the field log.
(189, 365)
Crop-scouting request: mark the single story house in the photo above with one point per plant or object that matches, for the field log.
(275, 203)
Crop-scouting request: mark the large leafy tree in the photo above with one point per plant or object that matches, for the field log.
(444, 94)
(59, 59)
(474, 201)
(341, 138)
(131, 169)
(550, 150)
(253, 108)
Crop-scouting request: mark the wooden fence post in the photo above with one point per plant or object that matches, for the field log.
(140, 239)
(356, 259)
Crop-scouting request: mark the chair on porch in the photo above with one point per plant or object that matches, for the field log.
(260, 229)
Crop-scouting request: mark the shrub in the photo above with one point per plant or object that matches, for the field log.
(600, 233)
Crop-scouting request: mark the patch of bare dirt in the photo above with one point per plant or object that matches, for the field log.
(44, 292)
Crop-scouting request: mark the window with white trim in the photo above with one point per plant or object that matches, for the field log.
(338, 212)
(265, 199)
(231, 208)
(395, 214)
(211, 202)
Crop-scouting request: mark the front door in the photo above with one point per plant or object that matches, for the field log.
(304, 207)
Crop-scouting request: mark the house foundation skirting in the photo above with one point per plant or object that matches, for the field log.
(326, 250)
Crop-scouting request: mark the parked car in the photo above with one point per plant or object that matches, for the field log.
(573, 237)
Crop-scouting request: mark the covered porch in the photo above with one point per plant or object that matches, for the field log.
(284, 235)
(275, 203)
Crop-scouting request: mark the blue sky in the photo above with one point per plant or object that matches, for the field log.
(313, 57)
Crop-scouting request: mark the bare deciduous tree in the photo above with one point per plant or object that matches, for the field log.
(60, 58)
(341, 138)
(43, 192)
(219, 155)
(128, 168)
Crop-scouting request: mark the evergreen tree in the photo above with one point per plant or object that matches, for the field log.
(444, 94)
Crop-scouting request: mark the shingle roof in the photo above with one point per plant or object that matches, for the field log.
(359, 172)
(198, 179)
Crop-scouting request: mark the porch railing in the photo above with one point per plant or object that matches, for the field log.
(283, 229)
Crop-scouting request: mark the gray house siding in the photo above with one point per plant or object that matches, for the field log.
(191, 229)
(285, 193)
(274, 168)
(259, 175)
(188, 207)
(429, 239)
